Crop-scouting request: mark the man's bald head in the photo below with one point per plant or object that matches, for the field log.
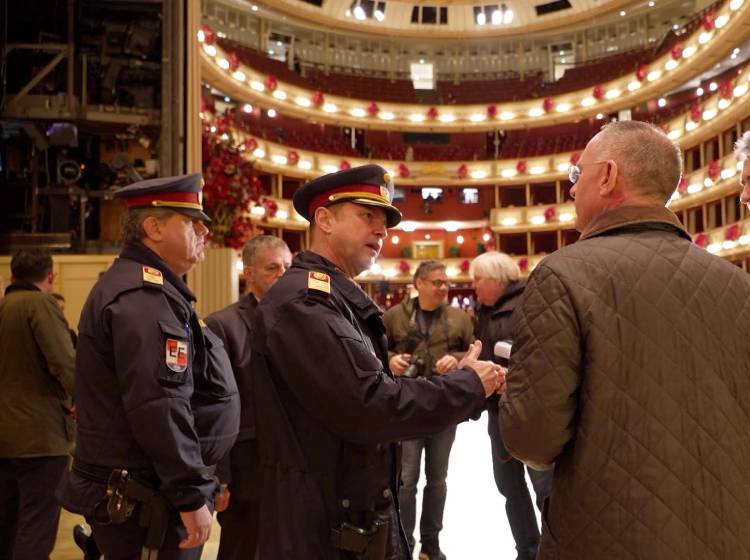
(648, 162)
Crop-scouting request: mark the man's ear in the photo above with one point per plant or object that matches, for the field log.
(152, 227)
(609, 180)
(323, 219)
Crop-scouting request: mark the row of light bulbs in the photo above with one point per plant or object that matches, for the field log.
(450, 116)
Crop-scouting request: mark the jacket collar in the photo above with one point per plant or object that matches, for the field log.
(410, 305)
(629, 217)
(344, 285)
(18, 286)
(138, 252)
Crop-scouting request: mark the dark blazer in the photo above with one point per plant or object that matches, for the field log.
(232, 324)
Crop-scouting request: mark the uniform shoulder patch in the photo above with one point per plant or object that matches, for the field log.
(153, 275)
(319, 281)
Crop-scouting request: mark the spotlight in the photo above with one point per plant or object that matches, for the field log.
(359, 13)
(497, 17)
(508, 16)
(380, 16)
(481, 18)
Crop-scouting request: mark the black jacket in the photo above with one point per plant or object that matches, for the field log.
(331, 409)
(154, 388)
(498, 322)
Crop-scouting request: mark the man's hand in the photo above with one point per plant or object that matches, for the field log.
(445, 364)
(490, 374)
(399, 363)
(198, 526)
(222, 499)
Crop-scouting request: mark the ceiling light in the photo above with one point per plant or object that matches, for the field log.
(459, 239)
(563, 107)
(497, 17)
(662, 102)
(282, 214)
(709, 114)
(587, 101)
(723, 104)
(379, 15)
(330, 168)
(623, 13)
(651, 4)
(239, 76)
(537, 220)
(450, 226)
(536, 112)
(254, 8)
(358, 112)
(612, 94)
(386, 115)
(506, 115)
(304, 164)
(477, 117)
(330, 108)
(281, 160)
(303, 102)
(721, 21)
(563, 167)
(478, 174)
(222, 63)
(447, 118)
(395, 239)
(507, 173)
(690, 126)
(508, 16)
(671, 64)
(674, 134)
(416, 117)
(258, 210)
(713, 86)
(210, 50)
(566, 217)
(279, 94)
(408, 226)
(599, 116)
(704, 37)
(740, 90)
(247, 108)
(699, 91)
(271, 113)
(257, 86)
(688, 52)
(359, 13)
(735, 4)
(481, 18)
(537, 169)
(509, 221)
(259, 152)
(634, 85)
(653, 75)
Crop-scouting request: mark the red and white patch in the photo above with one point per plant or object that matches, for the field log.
(177, 355)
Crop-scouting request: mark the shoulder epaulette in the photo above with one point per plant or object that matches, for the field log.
(319, 282)
(152, 276)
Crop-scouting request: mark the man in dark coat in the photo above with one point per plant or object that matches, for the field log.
(330, 407)
(266, 258)
(156, 399)
(630, 368)
(498, 286)
(36, 431)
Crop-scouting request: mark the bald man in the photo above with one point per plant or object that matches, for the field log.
(630, 371)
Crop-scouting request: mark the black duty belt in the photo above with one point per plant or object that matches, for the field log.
(103, 475)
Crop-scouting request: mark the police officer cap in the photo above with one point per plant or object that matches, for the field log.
(366, 184)
(182, 194)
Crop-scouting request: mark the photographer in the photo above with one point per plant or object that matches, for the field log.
(426, 337)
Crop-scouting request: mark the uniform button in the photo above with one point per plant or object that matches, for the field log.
(387, 493)
(345, 503)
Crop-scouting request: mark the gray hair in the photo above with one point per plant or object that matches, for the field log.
(131, 227)
(259, 243)
(742, 147)
(651, 162)
(496, 265)
(425, 267)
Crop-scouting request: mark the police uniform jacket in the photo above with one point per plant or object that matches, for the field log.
(329, 409)
(36, 375)
(155, 390)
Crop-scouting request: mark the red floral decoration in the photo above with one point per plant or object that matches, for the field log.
(682, 185)
(234, 61)
(402, 170)
(714, 169)
(464, 266)
(271, 82)
(292, 157)
(709, 20)
(523, 264)
(462, 171)
(250, 144)
(548, 104)
(696, 113)
(598, 92)
(432, 113)
(492, 111)
(344, 165)
(575, 157)
(318, 98)
(700, 240)
(726, 89)
(209, 37)
(403, 267)
(521, 166)
(271, 208)
(550, 214)
(227, 190)
(676, 51)
(640, 72)
(373, 109)
(732, 233)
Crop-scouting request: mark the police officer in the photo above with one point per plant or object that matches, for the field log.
(156, 399)
(330, 407)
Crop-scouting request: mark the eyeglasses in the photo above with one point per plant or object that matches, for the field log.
(440, 283)
(574, 171)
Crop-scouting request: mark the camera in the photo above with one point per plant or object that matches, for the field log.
(416, 366)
